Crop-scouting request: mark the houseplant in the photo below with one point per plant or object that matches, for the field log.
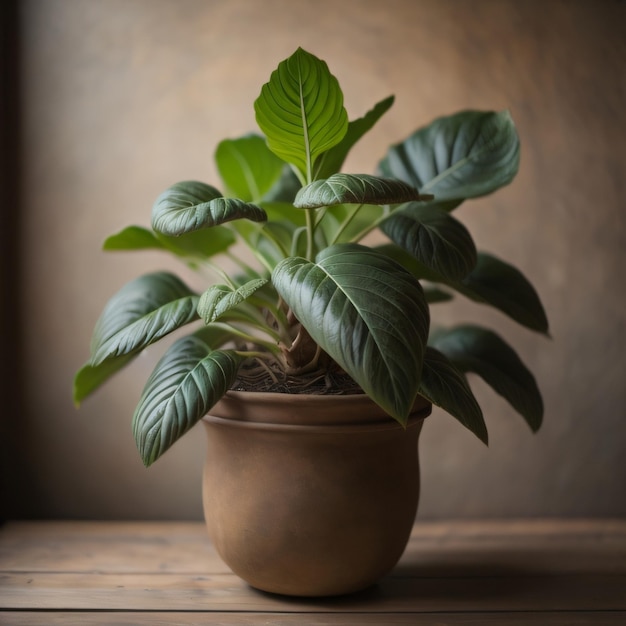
(310, 307)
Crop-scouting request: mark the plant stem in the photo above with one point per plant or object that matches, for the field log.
(237, 332)
(217, 271)
(345, 224)
(254, 354)
(247, 269)
(367, 230)
(310, 231)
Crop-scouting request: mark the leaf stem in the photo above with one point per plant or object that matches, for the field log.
(310, 231)
(237, 332)
(345, 224)
(368, 229)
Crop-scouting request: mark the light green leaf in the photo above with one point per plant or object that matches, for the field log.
(446, 387)
(367, 313)
(198, 244)
(191, 205)
(301, 111)
(330, 162)
(142, 312)
(466, 155)
(133, 238)
(219, 299)
(354, 189)
(89, 378)
(248, 167)
(185, 384)
(475, 349)
(434, 237)
(285, 214)
(214, 335)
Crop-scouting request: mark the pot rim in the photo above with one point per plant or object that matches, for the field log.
(308, 412)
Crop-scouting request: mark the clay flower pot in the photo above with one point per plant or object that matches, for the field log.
(310, 495)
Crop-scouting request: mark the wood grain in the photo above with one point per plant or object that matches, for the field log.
(201, 618)
(511, 572)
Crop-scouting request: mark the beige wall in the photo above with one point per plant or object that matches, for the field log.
(123, 97)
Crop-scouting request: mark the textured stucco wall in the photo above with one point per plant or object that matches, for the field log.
(123, 97)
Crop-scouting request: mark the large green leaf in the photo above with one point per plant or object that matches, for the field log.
(219, 299)
(367, 313)
(434, 237)
(492, 282)
(466, 155)
(191, 205)
(142, 312)
(479, 350)
(354, 189)
(504, 287)
(301, 111)
(89, 377)
(248, 167)
(330, 162)
(188, 380)
(446, 387)
(198, 244)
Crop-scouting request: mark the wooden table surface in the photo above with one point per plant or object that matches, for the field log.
(514, 572)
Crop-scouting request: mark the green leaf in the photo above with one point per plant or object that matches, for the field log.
(133, 238)
(434, 295)
(185, 384)
(214, 335)
(198, 244)
(466, 155)
(285, 214)
(410, 263)
(478, 350)
(347, 222)
(504, 287)
(142, 312)
(434, 237)
(331, 162)
(285, 188)
(89, 378)
(191, 205)
(219, 299)
(446, 387)
(301, 111)
(354, 189)
(367, 313)
(248, 167)
(492, 282)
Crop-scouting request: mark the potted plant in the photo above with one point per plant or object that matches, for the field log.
(314, 318)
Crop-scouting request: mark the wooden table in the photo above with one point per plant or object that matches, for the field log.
(514, 572)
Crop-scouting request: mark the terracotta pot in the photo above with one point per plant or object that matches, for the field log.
(310, 495)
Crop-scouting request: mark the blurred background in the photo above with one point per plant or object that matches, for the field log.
(107, 102)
